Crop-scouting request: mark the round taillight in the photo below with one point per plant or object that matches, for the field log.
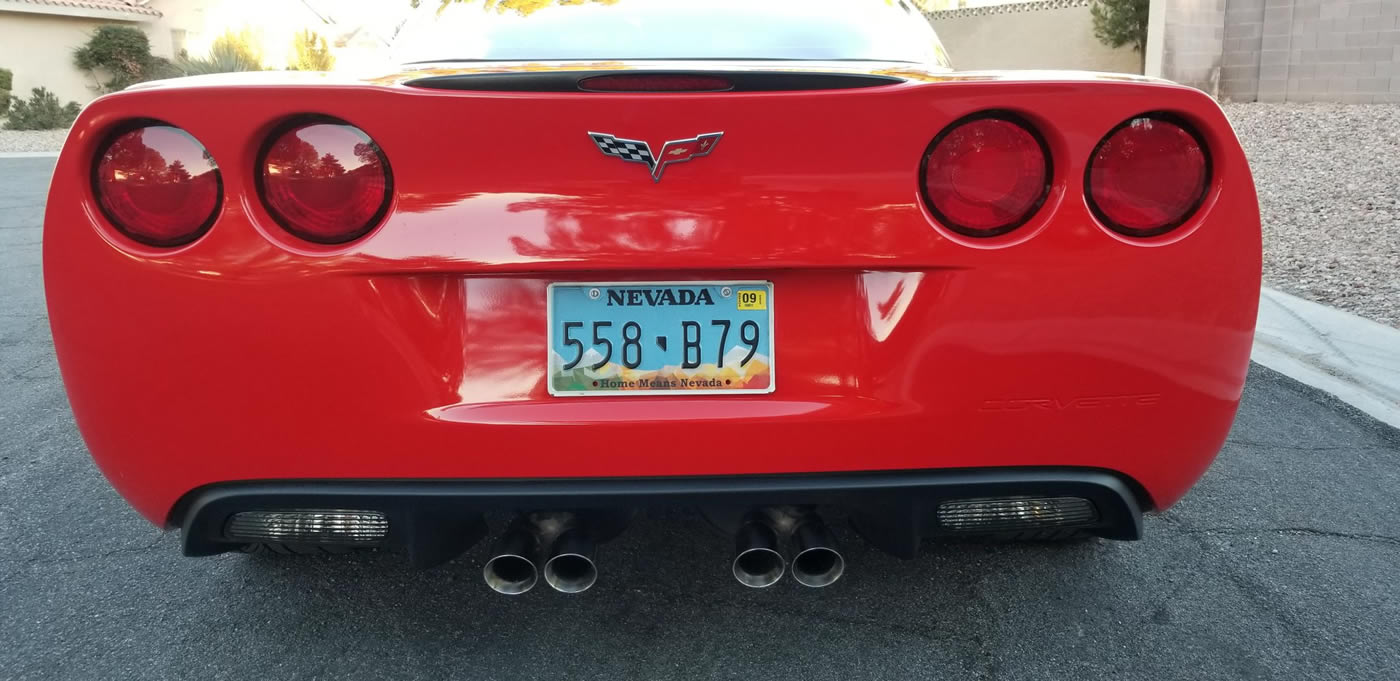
(157, 185)
(1147, 176)
(986, 175)
(325, 182)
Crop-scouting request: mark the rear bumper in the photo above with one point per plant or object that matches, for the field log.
(419, 352)
(441, 377)
(433, 521)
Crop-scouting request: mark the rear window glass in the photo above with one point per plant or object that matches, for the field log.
(883, 30)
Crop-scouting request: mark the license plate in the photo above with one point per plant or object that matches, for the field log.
(643, 338)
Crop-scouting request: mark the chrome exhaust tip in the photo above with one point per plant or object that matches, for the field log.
(511, 569)
(757, 561)
(816, 562)
(570, 568)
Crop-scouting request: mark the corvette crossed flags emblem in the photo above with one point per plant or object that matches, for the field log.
(672, 151)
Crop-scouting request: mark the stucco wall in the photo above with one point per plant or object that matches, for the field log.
(1056, 34)
(38, 48)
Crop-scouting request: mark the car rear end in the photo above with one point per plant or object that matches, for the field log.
(985, 307)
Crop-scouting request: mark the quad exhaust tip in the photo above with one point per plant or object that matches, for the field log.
(757, 561)
(511, 569)
(570, 568)
(516, 565)
(758, 557)
(510, 574)
(816, 562)
(517, 561)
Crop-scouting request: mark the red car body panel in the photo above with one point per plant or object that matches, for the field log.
(417, 352)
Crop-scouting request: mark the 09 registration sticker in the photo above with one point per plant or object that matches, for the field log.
(753, 299)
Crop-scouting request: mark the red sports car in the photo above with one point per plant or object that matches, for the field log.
(771, 260)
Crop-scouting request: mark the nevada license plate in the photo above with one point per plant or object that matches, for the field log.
(643, 338)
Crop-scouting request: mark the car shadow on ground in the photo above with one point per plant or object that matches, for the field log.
(665, 586)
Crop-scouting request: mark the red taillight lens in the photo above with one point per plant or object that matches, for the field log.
(157, 185)
(325, 182)
(655, 83)
(1147, 176)
(985, 176)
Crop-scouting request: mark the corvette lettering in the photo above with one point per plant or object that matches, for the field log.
(1073, 403)
(672, 151)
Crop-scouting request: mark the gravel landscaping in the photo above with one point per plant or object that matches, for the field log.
(31, 140)
(1328, 177)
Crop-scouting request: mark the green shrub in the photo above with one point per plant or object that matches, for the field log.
(1121, 22)
(310, 52)
(7, 82)
(124, 52)
(243, 42)
(41, 112)
(220, 60)
(232, 51)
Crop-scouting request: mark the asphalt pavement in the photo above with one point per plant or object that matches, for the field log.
(1284, 562)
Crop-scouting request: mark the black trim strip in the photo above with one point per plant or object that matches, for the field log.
(568, 81)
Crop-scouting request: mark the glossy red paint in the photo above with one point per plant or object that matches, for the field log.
(417, 351)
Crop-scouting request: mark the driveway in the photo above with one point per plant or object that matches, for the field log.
(1284, 562)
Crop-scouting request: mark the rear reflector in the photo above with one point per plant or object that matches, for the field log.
(310, 526)
(1147, 176)
(985, 175)
(157, 185)
(1001, 514)
(655, 83)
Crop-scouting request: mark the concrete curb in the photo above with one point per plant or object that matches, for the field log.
(28, 154)
(1355, 359)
